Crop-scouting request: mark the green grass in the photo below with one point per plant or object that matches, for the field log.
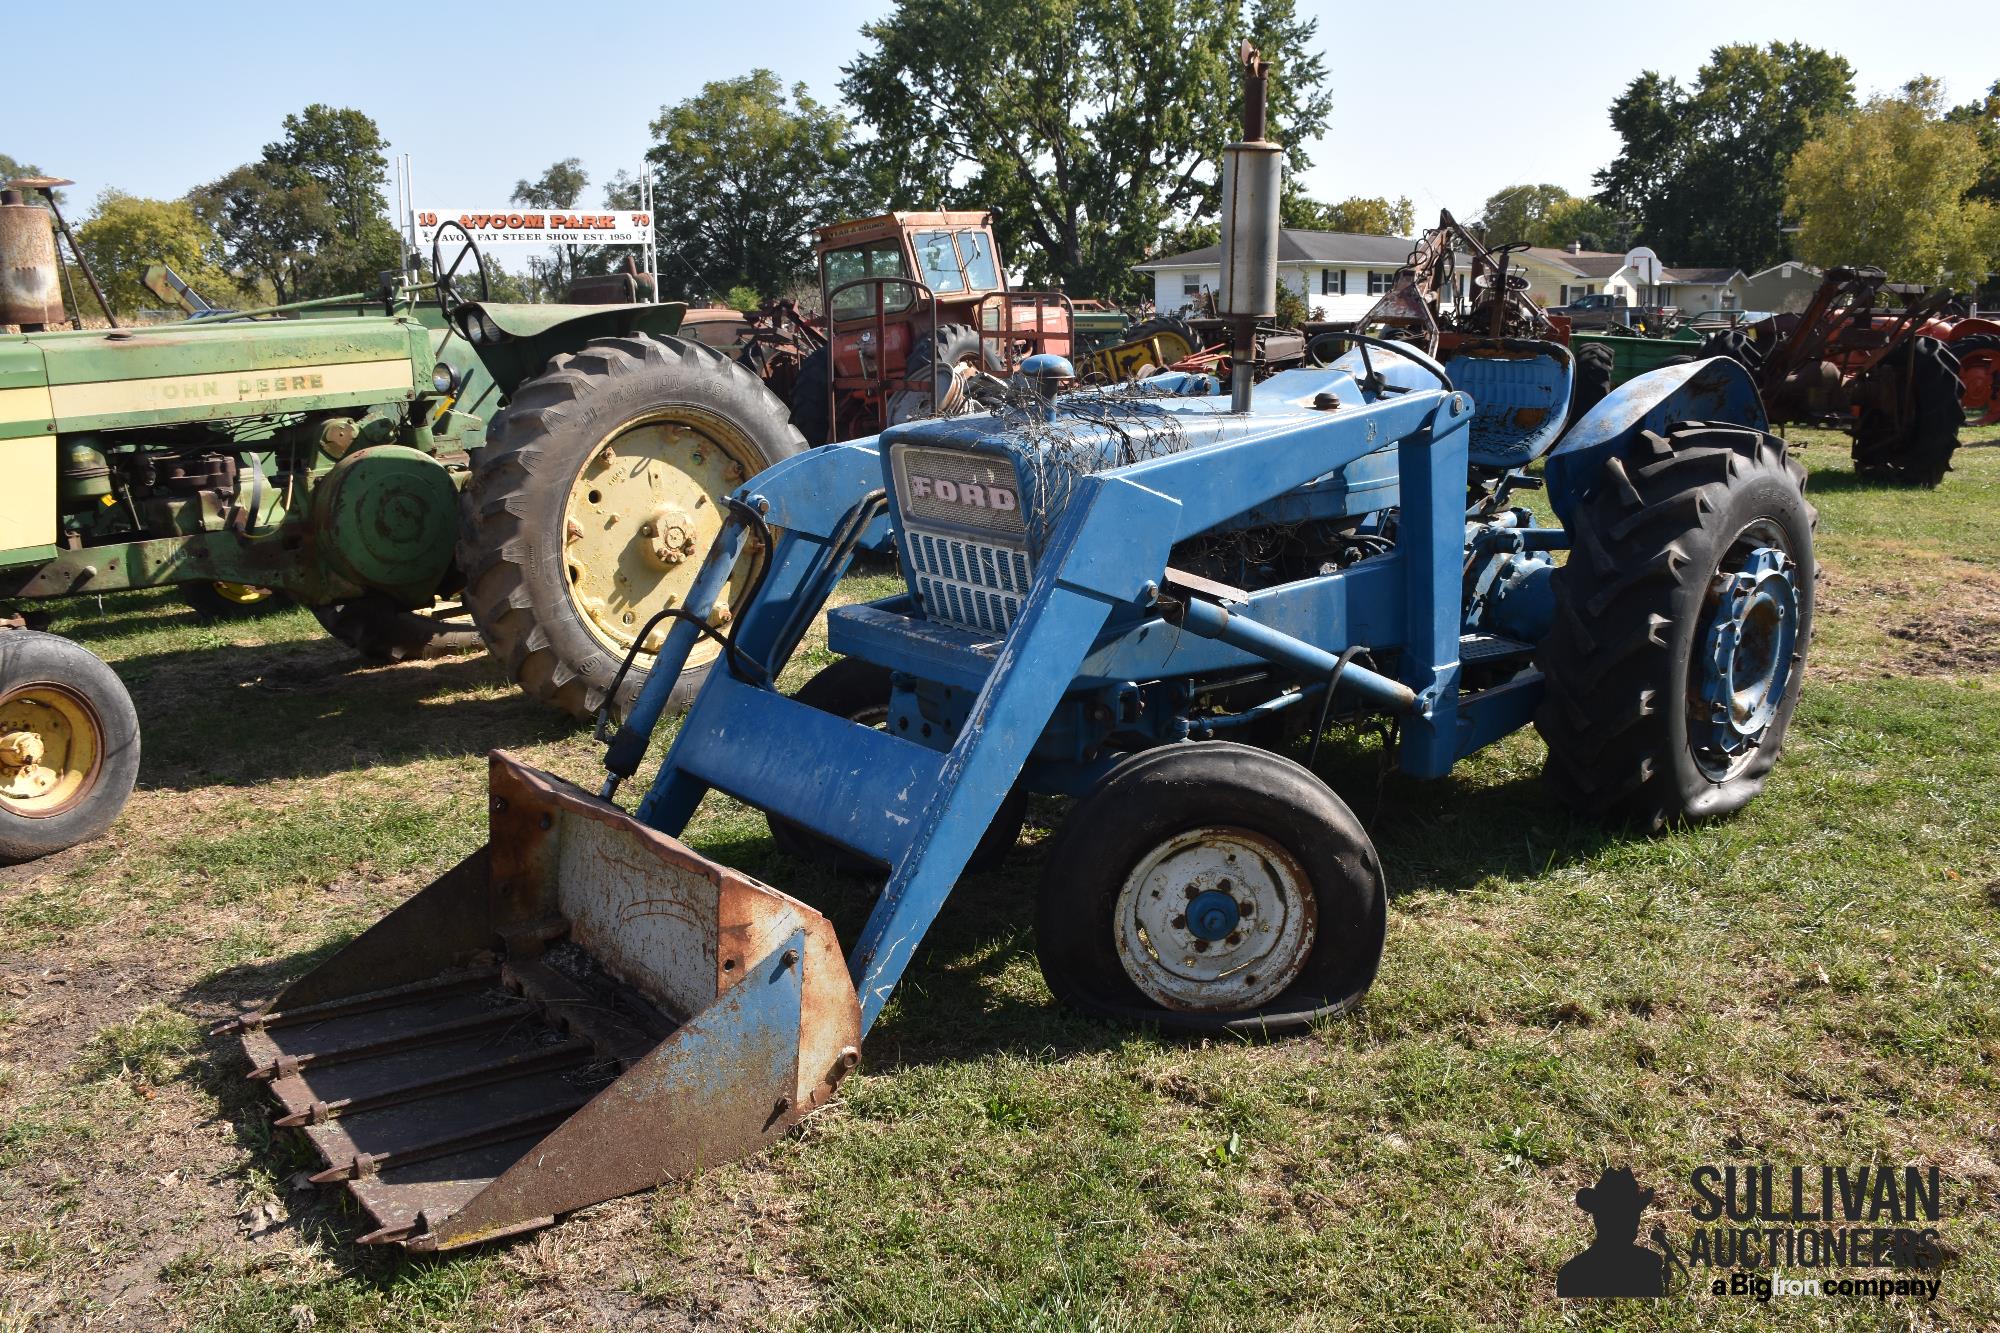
(1817, 980)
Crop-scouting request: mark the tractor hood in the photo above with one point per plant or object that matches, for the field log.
(114, 379)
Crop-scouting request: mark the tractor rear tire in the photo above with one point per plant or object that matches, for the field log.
(1734, 344)
(383, 631)
(956, 345)
(71, 745)
(1664, 540)
(809, 406)
(1595, 364)
(1919, 452)
(1167, 328)
(1144, 911)
(858, 690)
(590, 444)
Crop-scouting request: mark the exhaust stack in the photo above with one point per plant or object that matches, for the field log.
(1252, 174)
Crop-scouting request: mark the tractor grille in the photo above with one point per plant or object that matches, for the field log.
(971, 584)
(961, 517)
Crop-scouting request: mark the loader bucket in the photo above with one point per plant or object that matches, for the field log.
(581, 1009)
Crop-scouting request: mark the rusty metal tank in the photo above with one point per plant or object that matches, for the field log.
(29, 290)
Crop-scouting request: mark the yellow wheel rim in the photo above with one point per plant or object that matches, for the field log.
(243, 594)
(1174, 347)
(50, 749)
(641, 517)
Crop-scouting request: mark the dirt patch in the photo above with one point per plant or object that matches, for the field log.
(1959, 638)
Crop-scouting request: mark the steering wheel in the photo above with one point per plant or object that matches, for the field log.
(1395, 345)
(447, 290)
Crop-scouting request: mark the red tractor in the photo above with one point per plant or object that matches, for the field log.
(917, 313)
(1903, 380)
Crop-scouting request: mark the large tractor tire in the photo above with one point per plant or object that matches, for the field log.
(1736, 345)
(69, 745)
(1211, 887)
(1912, 447)
(812, 415)
(936, 370)
(1178, 340)
(1681, 625)
(1595, 364)
(381, 631)
(858, 690)
(595, 500)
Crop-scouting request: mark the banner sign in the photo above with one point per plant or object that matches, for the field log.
(519, 226)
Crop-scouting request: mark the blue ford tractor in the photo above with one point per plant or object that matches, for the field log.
(1126, 596)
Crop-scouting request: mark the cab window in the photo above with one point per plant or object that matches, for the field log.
(872, 259)
(937, 261)
(976, 248)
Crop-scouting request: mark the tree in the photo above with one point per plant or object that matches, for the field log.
(1891, 185)
(1984, 118)
(309, 216)
(742, 175)
(559, 186)
(1702, 168)
(1518, 212)
(1373, 216)
(1093, 128)
(125, 234)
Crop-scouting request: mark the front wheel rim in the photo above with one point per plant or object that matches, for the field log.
(640, 518)
(51, 750)
(1215, 920)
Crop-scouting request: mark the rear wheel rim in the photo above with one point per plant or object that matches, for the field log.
(640, 517)
(1746, 654)
(51, 750)
(242, 594)
(1215, 919)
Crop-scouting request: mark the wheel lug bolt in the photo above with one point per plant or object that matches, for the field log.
(1180, 923)
(1235, 937)
(1201, 946)
(1246, 907)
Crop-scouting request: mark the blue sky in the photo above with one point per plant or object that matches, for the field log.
(512, 87)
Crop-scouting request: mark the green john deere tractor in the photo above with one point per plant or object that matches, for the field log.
(399, 465)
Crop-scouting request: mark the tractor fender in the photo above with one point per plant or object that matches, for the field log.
(1718, 390)
(514, 341)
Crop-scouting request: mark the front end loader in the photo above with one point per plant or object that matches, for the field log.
(1148, 598)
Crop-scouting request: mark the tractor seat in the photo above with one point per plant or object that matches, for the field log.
(1520, 394)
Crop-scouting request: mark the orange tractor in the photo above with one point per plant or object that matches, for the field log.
(919, 319)
(1902, 380)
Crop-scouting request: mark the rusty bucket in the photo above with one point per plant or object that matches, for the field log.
(583, 1008)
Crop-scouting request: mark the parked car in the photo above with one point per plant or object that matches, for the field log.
(1606, 310)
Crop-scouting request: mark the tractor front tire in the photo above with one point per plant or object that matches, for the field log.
(1681, 625)
(858, 690)
(69, 745)
(939, 362)
(594, 502)
(811, 413)
(383, 631)
(1211, 887)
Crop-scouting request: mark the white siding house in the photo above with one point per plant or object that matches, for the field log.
(1340, 273)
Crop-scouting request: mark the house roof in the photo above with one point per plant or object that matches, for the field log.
(1305, 247)
(1583, 263)
(1705, 277)
(1786, 263)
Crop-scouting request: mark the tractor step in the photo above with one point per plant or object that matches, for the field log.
(1479, 649)
(584, 1008)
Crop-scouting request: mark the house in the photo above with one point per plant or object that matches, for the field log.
(1784, 287)
(1340, 273)
(1559, 276)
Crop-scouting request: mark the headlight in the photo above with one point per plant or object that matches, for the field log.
(444, 379)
